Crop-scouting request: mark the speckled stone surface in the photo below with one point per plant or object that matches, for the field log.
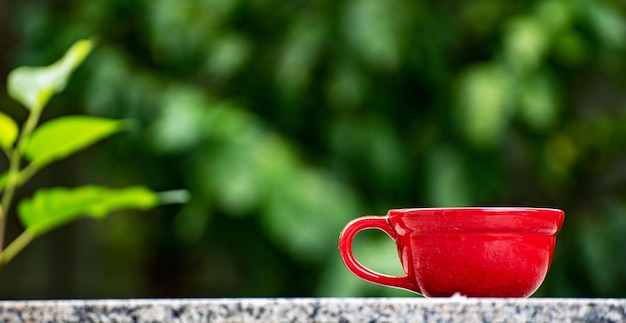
(317, 310)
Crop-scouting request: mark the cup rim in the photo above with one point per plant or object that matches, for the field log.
(479, 219)
(484, 209)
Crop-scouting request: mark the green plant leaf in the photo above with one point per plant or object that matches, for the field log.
(51, 208)
(64, 136)
(8, 131)
(34, 86)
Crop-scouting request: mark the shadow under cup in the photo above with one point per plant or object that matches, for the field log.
(476, 252)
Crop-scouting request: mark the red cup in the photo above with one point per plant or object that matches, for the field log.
(474, 252)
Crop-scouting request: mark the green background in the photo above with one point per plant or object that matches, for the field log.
(286, 119)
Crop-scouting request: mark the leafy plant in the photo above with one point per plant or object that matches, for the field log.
(37, 146)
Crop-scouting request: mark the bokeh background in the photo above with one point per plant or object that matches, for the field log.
(286, 119)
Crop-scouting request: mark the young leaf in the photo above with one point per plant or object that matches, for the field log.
(34, 86)
(8, 131)
(51, 208)
(64, 136)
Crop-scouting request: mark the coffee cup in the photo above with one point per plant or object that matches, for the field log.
(473, 252)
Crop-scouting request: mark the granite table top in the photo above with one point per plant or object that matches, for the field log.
(455, 309)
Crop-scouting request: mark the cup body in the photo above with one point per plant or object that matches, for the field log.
(475, 252)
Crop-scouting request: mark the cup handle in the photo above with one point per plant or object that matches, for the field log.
(345, 249)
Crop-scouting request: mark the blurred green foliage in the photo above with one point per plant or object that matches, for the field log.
(287, 119)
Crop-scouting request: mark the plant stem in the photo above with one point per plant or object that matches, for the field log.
(16, 246)
(13, 175)
(31, 123)
(26, 173)
(8, 195)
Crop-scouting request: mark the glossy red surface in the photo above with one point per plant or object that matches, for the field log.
(476, 252)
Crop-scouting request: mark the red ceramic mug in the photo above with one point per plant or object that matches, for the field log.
(475, 252)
